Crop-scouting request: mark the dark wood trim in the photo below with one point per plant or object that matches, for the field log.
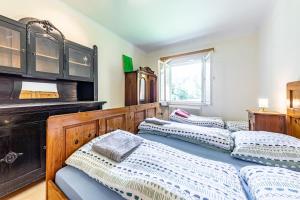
(11, 21)
(186, 54)
(96, 69)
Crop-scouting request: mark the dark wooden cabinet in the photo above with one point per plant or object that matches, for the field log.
(23, 141)
(79, 62)
(37, 49)
(22, 152)
(34, 52)
(12, 46)
(45, 49)
(267, 121)
(140, 87)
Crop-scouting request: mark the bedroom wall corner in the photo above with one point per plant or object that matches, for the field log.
(279, 47)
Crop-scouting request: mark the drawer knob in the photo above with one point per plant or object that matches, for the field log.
(76, 141)
(89, 135)
(11, 157)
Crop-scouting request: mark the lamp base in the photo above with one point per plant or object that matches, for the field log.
(262, 109)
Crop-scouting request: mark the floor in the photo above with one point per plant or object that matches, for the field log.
(32, 192)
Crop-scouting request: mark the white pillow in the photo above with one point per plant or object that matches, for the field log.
(215, 137)
(267, 148)
(234, 126)
(269, 183)
(214, 122)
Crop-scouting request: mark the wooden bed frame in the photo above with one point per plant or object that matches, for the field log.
(66, 133)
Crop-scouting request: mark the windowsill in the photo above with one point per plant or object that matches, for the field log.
(183, 103)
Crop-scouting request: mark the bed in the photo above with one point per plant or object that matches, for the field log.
(67, 133)
(184, 117)
(70, 179)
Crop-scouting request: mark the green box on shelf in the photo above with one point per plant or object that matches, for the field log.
(127, 64)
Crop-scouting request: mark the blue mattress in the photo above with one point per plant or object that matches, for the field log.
(78, 186)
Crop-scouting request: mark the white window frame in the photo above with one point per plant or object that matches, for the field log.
(204, 101)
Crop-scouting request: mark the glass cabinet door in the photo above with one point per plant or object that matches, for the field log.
(79, 62)
(47, 55)
(12, 48)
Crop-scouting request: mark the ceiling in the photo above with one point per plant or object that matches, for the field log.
(151, 24)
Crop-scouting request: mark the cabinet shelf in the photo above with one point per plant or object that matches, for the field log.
(78, 63)
(9, 48)
(45, 56)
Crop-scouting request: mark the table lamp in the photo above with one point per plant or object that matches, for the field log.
(263, 103)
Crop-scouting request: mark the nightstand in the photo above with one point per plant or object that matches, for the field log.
(267, 121)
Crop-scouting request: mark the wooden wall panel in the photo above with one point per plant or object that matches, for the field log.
(151, 112)
(139, 116)
(78, 135)
(294, 126)
(102, 127)
(116, 122)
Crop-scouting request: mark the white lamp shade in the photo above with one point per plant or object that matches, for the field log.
(263, 103)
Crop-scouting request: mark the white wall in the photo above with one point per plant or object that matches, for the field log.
(280, 52)
(83, 30)
(234, 71)
(245, 67)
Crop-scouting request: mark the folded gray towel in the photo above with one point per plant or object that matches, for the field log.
(117, 145)
(156, 121)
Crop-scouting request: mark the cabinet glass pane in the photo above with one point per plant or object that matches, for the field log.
(47, 55)
(79, 63)
(10, 51)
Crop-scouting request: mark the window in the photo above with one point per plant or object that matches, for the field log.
(186, 79)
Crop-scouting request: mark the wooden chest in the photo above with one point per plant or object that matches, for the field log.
(267, 121)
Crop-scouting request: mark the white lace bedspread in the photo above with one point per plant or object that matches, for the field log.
(157, 171)
(195, 134)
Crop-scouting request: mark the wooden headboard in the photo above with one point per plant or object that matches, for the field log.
(293, 110)
(66, 133)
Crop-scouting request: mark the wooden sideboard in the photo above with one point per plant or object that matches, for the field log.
(41, 74)
(23, 140)
(267, 121)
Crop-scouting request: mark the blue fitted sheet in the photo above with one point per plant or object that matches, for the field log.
(78, 186)
(198, 150)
